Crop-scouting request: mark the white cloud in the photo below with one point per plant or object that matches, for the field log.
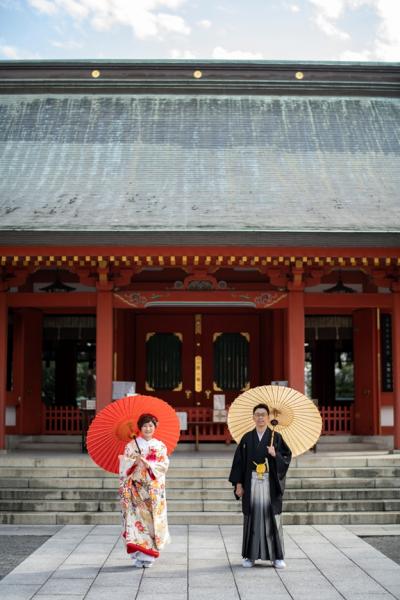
(185, 54)
(326, 13)
(327, 27)
(294, 8)
(9, 52)
(173, 23)
(145, 17)
(205, 23)
(67, 44)
(385, 46)
(15, 53)
(221, 53)
(349, 55)
(45, 6)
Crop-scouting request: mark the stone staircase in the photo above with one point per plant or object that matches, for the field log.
(326, 488)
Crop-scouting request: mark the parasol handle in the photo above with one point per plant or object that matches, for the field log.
(274, 423)
(134, 436)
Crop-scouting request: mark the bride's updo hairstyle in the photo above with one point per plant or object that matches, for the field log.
(146, 418)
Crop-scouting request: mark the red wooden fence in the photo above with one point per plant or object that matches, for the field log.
(336, 420)
(62, 420)
(66, 420)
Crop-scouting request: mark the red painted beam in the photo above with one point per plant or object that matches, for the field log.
(42, 300)
(85, 300)
(250, 251)
(350, 301)
(228, 298)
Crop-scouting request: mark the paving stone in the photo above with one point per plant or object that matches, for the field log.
(87, 559)
(59, 597)
(163, 585)
(355, 596)
(208, 553)
(172, 596)
(309, 550)
(250, 586)
(217, 594)
(66, 571)
(67, 587)
(17, 592)
(126, 577)
(97, 593)
(167, 570)
(15, 548)
(37, 578)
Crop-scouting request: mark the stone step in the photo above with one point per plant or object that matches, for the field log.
(330, 446)
(343, 494)
(200, 518)
(73, 446)
(197, 494)
(344, 482)
(297, 506)
(79, 460)
(198, 505)
(202, 472)
(71, 489)
(51, 483)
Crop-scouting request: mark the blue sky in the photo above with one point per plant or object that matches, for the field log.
(355, 30)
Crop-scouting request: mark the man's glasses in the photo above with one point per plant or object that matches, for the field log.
(260, 415)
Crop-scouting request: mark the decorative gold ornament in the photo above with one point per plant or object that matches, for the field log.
(299, 75)
(198, 373)
(261, 469)
(197, 74)
(95, 74)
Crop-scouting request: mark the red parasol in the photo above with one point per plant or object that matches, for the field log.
(114, 426)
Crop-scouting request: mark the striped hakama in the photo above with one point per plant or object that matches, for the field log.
(262, 530)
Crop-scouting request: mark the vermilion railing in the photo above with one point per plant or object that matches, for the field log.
(62, 420)
(201, 426)
(336, 420)
(67, 420)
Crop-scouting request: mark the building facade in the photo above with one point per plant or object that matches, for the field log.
(199, 229)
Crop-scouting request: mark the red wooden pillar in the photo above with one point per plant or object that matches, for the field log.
(104, 348)
(366, 374)
(29, 386)
(278, 345)
(3, 365)
(295, 337)
(396, 365)
(124, 345)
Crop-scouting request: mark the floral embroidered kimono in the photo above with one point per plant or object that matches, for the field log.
(142, 493)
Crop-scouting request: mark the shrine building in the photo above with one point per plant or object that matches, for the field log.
(199, 228)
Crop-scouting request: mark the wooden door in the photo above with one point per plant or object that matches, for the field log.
(366, 389)
(230, 357)
(164, 357)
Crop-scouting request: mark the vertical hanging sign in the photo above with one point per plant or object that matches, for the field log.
(386, 353)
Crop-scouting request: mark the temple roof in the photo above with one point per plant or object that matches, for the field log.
(263, 164)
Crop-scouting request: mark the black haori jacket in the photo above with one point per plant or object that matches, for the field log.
(251, 449)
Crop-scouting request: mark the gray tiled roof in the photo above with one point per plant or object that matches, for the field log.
(199, 163)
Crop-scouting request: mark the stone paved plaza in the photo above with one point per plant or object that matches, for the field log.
(324, 562)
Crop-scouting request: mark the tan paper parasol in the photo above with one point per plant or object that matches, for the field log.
(295, 416)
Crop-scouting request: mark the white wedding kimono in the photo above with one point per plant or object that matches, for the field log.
(142, 493)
